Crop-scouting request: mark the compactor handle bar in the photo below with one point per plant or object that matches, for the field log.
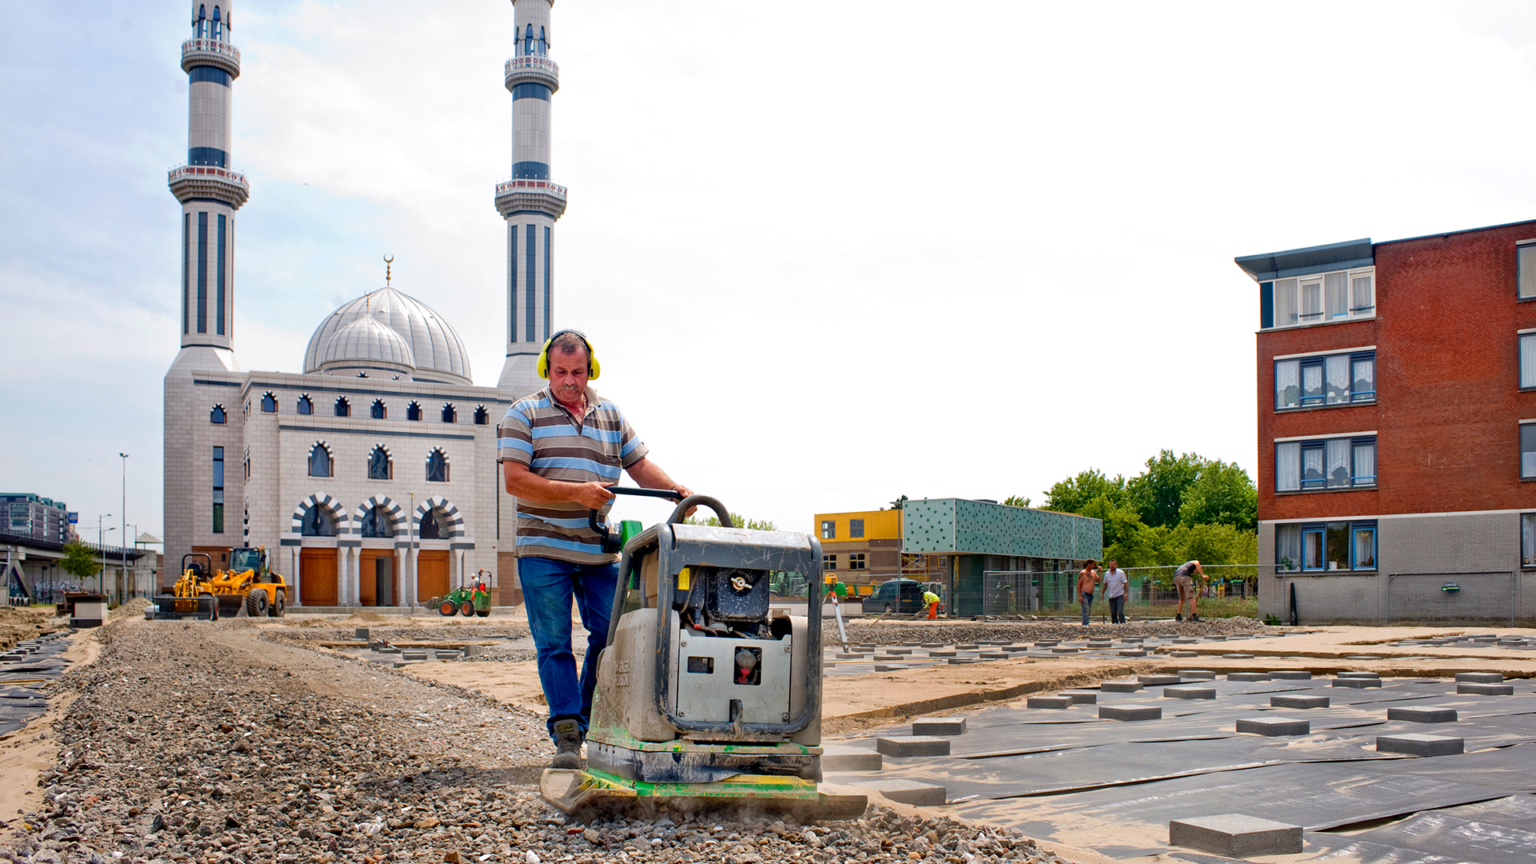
(683, 506)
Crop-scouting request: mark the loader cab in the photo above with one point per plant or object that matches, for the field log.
(241, 560)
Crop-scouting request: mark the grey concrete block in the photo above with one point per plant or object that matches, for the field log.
(1092, 643)
(361, 634)
(1237, 656)
(939, 726)
(1185, 640)
(1292, 700)
(1158, 680)
(1420, 745)
(1054, 702)
(1197, 674)
(1129, 712)
(910, 792)
(851, 655)
(998, 655)
(1486, 689)
(389, 650)
(1273, 726)
(1184, 653)
(960, 661)
(1189, 692)
(942, 652)
(897, 652)
(1357, 683)
(1422, 715)
(1120, 686)
(1479, 678)
(1132, 652)
(891, 667)
(1061, 649)
(1047, 643)
(1358, 675)
(850, 759)
(913, 745)
(1247, 676)
(1081, 697)
(1235, 836)
(1291, 675)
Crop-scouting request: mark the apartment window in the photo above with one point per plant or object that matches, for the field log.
(1527, 265)
(1323, 297)
(1327, 464)
(1528, 451)
(218, 490)
(268, 403)
(829, 562)
(855, 528)
(1325, 546)
(1528, 358)
(828, 529)
(1528, 539)
(856, 561)
(1334, 379)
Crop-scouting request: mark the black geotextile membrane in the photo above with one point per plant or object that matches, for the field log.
(1509, 770)
(1501, 831)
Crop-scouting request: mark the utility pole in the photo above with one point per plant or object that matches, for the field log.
(123, 583)
(410, 555)
(101, 549)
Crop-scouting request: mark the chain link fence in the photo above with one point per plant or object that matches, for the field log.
(1025, 592)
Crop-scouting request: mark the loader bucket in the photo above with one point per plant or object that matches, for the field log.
(172, 608)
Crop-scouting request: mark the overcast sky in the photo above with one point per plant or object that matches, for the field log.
(828, 254)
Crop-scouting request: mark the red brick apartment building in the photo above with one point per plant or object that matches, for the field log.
(1397, 428)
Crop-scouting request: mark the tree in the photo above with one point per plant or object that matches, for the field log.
(1158, 492)
(1223, 494)
(738, 520)
(1073, 494)
(79, 561)
(898, 503)
(1017, 501)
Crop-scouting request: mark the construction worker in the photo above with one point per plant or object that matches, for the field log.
(558, 475)
(931, 600)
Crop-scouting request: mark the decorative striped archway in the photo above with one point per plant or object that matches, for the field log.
(329, 505)
(396, 513)
(449, 512)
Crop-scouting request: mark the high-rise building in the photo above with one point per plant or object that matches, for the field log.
(529, 202)
(26, 515)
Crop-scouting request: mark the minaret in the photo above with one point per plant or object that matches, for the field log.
(209, 193)
(529, 202)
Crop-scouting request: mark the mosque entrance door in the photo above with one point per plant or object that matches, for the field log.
(317, 577)
(431, 574)
(377, 577)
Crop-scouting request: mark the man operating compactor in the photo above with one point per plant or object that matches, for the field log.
(559, 449)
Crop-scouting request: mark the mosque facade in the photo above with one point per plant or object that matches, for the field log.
(371, 475)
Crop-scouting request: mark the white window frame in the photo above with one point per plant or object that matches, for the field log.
(1354, 313)
(1306, 442)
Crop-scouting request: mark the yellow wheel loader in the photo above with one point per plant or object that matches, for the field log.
(206, 594)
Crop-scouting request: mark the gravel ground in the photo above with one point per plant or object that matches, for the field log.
(205, 742)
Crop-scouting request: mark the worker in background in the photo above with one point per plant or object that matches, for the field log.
(558, 474)
(931, 600)
(1183, 579)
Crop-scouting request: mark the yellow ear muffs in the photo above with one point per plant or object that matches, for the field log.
(594, 368)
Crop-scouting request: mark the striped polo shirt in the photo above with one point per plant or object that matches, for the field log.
(542, 434)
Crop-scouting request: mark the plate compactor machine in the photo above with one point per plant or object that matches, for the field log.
(707, 699)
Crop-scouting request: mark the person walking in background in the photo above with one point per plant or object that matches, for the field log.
(1087, 581)
(1115, 584)
(931, 600)
(1183, 579)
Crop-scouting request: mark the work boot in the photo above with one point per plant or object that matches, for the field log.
(1194, 617)
(567, 745)
(1178, 616)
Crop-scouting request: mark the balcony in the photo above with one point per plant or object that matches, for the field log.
(210, 52)
(207, 181)
(533, 69)
(514, 196)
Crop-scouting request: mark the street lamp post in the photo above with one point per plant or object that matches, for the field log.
(101, 548)
(410, 553)
(122, 584)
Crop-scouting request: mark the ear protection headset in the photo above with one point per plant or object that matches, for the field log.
(594, 368)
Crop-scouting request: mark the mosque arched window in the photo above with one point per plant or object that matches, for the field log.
(318, 523)
(215, 33)
(482, 416)
(343, 407)
(378, 411)
(437, 467)
(432, 527)
(450, 414)
(376, 523)
(306, 405)
(543, 44)
(268, 403)
(319, 460)
(528, 40)
(413, 411)
(217, 415)
(200, 29)
(247, 463)
(380, 466)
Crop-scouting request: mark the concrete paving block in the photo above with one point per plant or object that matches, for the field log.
(1158, 680)
(1485, 689)
(1215, 638)
(1053, 702)
(1479, 678)
(1061, 649)
(1291, 675)
(850, 759)
(1234, 835)
(910, 792)
(1132, 652)
(1423, 715)
(1292, 700)
(1185, 640)
(1273, 727)
(1357, 683)
(1130, 712)
(1237, 656)
(961, 661)
(1189, 692)
(1132, 639)
(1047, 643)
(1184, 653)
(1247, 676)
(913, 745)
(1420, 745)
(1197, 674)
(361, 634)
(891, 667)
(1358, 675)
(389, 650)
(1100, 643)
(939, 726)
(1120, 686)
(897, 652)
(1361, 657)
(1081, 697)
(997, 655)
(852, 655)
(942, 652)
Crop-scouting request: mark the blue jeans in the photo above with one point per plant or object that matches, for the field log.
(1117, 609)
(548, 586)
(1087, 603)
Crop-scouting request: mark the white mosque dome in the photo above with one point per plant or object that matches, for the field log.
(357, 337)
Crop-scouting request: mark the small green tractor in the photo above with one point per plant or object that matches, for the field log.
(469, 600)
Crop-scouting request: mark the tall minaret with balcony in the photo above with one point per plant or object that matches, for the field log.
(529, 202)
(210, 193)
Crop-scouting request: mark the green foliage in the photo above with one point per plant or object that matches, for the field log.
(1074, 493)
(897, 504)
(739, 520)
(1017, 501)
(79, 561)
(1224, 494)
(1158, 492)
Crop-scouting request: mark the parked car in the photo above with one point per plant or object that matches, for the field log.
(902, 596)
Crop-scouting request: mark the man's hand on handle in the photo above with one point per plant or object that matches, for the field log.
(592, 495)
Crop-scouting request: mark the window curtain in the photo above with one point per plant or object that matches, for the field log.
(1363, 300)
(1528, 450)
(1365, 549)
(1285, 302)
(1338, 462)
(1312, 473)
(1528, 539)
(1312, 302)
(1287, 384)
(1337, 375)
(1336, 293)
(1527, 271)
(1288, 467)
(1528, 360)
(1288, 547)
(1365, 462)
(1311, 383)
(1364, 385)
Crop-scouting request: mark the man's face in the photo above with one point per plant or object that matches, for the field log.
(568, 375)
(1113, 564)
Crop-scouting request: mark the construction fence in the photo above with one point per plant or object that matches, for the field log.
(1024, 592)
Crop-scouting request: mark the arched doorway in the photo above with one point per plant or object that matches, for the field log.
(319, 520)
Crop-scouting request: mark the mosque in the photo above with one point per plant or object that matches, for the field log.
(371, 476)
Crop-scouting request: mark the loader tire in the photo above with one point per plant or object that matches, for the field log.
(485, 614)
(467, 609)
(255, 603)
(277, 608)
(447, 609)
